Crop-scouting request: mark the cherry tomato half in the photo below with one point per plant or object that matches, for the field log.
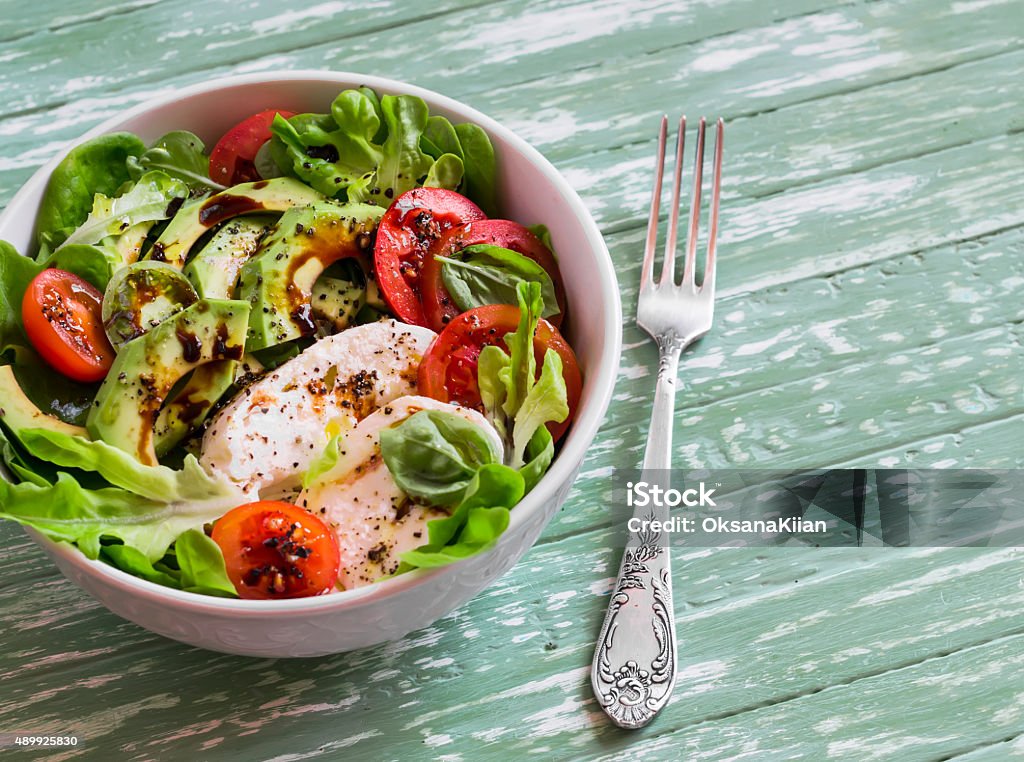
(232, 160)
(448, 371)
(438, 306)
(61, 315)
(277, 550)
(414, 222)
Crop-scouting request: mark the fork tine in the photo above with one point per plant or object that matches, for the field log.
(689, 267)
(709, 268)
(647, 271)
(668, 269)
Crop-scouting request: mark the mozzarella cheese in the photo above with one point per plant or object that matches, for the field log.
(265, 438)
(375, 521)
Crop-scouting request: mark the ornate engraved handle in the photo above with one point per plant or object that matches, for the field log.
(634, 666)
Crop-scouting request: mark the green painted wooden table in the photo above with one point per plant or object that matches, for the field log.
(871, 276)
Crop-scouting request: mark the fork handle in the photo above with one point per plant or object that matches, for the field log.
(634, 666)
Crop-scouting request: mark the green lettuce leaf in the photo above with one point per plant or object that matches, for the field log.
(516, 402)
(483, 274)
(492, 367)
(202, 565)
(95, 264)
(439, 138)
(96, 166)
(481, 180)
(179, 154)
(546, 401)
(446, 172)
(332, 158)
(433, 455)
(128, 559)
(147, 200)
(16, 272)
(121, 469)
(522, 368)
(67, 512)
(403, 164)
(475, 524)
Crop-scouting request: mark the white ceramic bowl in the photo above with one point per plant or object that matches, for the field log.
(531, 191)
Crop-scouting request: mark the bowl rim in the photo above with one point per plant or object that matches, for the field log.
(585, 427)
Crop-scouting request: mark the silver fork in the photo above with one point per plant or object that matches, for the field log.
(634, 666)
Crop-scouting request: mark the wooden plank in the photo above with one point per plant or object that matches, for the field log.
(997, 752)
(21, 19)
(930, 711)
(739, 652)
(170, 40)
(826, 137)
(779, 332)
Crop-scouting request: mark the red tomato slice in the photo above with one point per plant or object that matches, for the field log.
(61, 315)
(437, 303)
(277, 550)
(448, 371)
(413, 223)
(232, 159)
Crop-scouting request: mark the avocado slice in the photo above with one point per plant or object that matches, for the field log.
(278, 281)
(141, 296)
(336, 301)
(192, 404)
(214, 270)
(128, 403)
(18, 412)
(196, 217)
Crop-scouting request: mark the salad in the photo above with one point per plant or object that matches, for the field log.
(310, 359)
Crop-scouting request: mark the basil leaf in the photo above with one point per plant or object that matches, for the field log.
(484, 274)
(433, 455)
(475, 524)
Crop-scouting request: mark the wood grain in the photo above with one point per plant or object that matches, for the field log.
(871, 313)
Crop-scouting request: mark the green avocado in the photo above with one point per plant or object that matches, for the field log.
(200, 215)
(141, 296)
(214, 270)
(19, 412)
(128, 403)
(336, 301)
(278, 281)
(190, 406)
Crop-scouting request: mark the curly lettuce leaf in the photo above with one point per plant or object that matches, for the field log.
(96, 166)
(67, 512)
(179, 154)
(446, 172)
(332, 158)
(148, 200)
(119, 468)
(516, 402)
